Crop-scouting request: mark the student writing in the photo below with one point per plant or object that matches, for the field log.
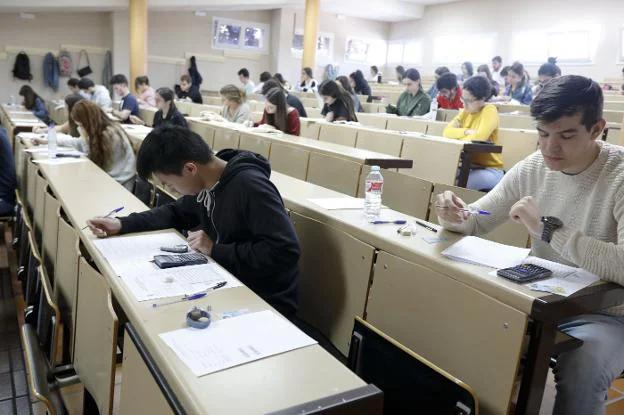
(34, 103)
(167, 111)
(129, 105)
(278, 114)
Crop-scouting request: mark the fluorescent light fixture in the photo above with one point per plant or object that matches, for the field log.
(200, 13)
(28, 16)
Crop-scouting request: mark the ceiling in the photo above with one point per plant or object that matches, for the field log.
(386, 10)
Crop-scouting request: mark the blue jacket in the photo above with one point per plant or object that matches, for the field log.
(41, 111)
(523, 95)
(433, 91)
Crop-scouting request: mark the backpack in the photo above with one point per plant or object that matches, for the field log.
(51, 71)
(66, 66)
(21, 68)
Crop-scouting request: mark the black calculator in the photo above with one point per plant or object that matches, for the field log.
(525, 273)
(182, 260)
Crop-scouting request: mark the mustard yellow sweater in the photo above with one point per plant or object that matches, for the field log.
(485, 123)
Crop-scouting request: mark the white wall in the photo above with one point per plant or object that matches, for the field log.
(494, 16)
(48, 31)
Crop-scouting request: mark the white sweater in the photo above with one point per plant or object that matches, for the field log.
(590, 204)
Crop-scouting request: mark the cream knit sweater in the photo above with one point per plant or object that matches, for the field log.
(590, 204)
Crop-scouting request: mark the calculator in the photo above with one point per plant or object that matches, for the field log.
(525, 273)
(182, 260)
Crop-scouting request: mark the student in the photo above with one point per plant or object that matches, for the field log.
(98, 94)
(230, 208)
(338, 103)
(104, 140)
(8, 178)
(69, 127)
(278, 114)
(478, 121)
(147, 94)
(518, 89)
(129, 105)
(187, 91)
(400, 73)
(72, 84)
(234, 107)
(167, 111)
(359, 83)
(497, 76)
(568, 195)
(484, 71)
(413, 101)
(248, 86)
(291, 100)
(467, 71)
(346, 85)
(375, 75)
(450, 93)
(330, 73)
(505, 74)
(546, 72)
(264, 76)
(433, 91)
(308, 83)
(285, 84)
(34, 103)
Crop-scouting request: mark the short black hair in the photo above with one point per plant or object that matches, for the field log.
(168, 147)
(374, 69)
(119, 79)
(244, 72)
(141, 80)
(479, 87)
(73, 82)
(412, 74)
(447, 81)
(270, 84)
(550, 68)
(85, 83)
(469, 68)
(265, 76)
(166, 93)
(505, 71)
(497, 59)
(517, 68)
(441, 70)
(566, 96)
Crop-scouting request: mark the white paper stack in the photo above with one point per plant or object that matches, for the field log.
(480, 251)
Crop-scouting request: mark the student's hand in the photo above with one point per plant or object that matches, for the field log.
(448, 208)
(527, 213)
(40, 130)
(470, 131)
(200, 242)
(103, 227)
(38, 141)
(136, 120)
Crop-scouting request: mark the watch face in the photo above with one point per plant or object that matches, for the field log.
(553, 221)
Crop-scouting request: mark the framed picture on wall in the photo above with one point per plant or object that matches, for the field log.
(237, 34)
(324, 46)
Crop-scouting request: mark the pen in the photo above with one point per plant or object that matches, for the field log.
(76, 156)
(195, 296)
(112, 212)
(424, 225)
(382, 222)
(470, 211)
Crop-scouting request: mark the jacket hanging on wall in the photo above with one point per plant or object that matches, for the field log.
(107, 71)
(66, 66)
(196, 78)
(84, 70)
(21, 67)
(51, 71)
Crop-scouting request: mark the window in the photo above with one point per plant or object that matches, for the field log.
(324, 46)
(413, 51)
(395, 53)
(568, 44)
(234, 34)
(529, 47)
(455, 49)
(570, 47)
(369, 51)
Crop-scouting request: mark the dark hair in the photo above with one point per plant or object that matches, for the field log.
(518, 69)
(85, 83)
(165, 93)
(346, 85)
(360, 81)
(447, 81)
(497, 59)
(550, 68)
(333, 89)
(278, 120)
(168, 147)
(567, 96)
(505, 71)
(401, 71)
(469, 68)
(486, 69)
(479, 87)
(141, 80)
(412, 74)
(269, 85)
(441, 70)
(265, 76)
(308, 71)
(374, 69)
(119, 79)
(73, 82)
(279, 78)
(186, 78)
(244, 72)
(70, 101)
(233, 93)
(29, 96)
(96, 123)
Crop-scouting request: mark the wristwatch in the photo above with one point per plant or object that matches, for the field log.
(551, 224)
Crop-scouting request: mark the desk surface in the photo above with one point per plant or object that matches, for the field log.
(267, 385)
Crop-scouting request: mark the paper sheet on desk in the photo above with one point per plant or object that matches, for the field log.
(130, 257)
(235, 341)
(338, 203)
(62, 160)
(480, 251)
(565, 281)
(138, 129)
(44, 150)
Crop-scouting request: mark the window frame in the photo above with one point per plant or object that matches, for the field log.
(371, 43)
(244, 24)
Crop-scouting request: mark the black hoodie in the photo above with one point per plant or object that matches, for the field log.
(252, 233)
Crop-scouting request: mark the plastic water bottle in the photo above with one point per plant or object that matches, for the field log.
(12, 101)
(374, 189)
(433, 109)
(51, 141)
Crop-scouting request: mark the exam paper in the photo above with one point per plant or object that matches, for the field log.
(138, 129)
(131, 256)
(565, 281)
(336, 203)
(62, 160)
(235, 341)
(480, 251)
(44, 149)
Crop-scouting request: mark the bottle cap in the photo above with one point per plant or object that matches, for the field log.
(375, 168)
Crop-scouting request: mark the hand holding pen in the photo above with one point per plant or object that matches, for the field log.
(106, 224)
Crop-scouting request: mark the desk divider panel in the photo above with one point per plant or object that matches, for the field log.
(377, 121)
(613, 116)
(309, 103)
(313, 112)
(255, 143)
(335, 270)
(523, 122)
(289, 160)
(517, 145)
(310, 128)
(225, 138)
(436, 128)
(481, 345)
(41, 186)
(50, 234)
(334, 173)
(32, 171)
(147, 115)
(435, 160)
(407, 124)
(338, 134)
(380, 141)
(206, 131)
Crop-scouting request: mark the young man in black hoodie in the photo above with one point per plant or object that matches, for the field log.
(230, 207)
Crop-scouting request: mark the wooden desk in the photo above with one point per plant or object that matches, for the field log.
(18, 119)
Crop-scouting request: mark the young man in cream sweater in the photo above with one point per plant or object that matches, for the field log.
(570, 197)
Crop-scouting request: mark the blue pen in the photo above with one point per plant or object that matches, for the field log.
(469, 211)
(112, 212)
(383, 222)
(195, 296)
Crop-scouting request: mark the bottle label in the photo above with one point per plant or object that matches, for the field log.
(374, 186)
